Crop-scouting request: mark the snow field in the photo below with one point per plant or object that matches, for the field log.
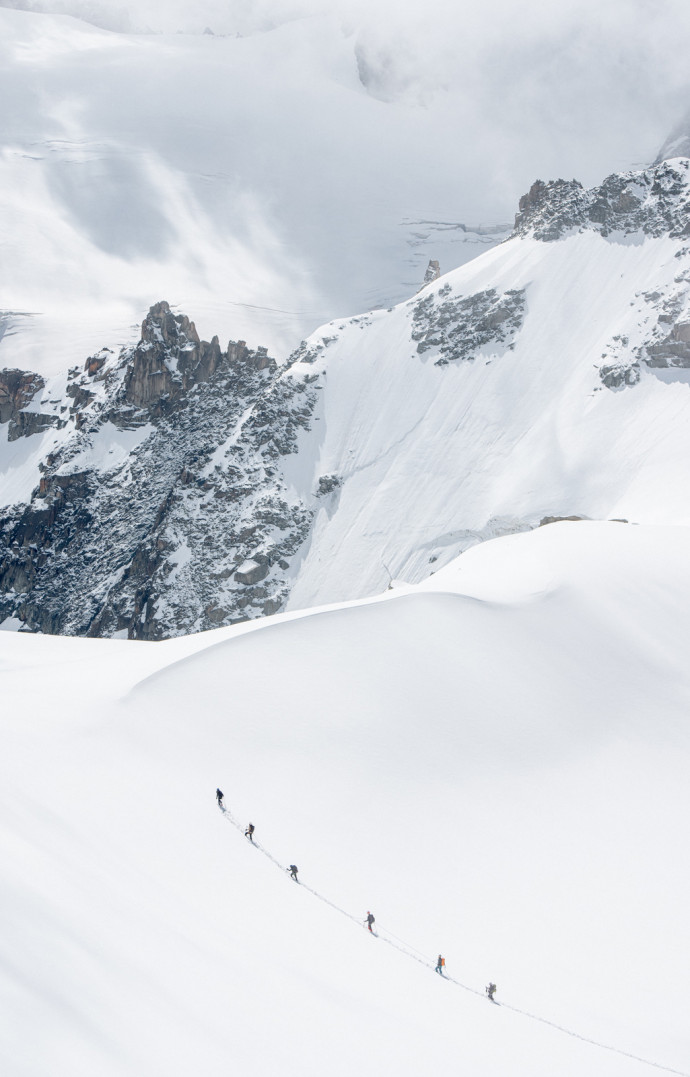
(496, 768)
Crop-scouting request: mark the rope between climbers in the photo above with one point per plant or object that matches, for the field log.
(409, 951)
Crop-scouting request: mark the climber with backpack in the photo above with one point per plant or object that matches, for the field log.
(491, 991)
(293, 871)
(440, 965)
(249, 833)
(369, 921)
(219, 798)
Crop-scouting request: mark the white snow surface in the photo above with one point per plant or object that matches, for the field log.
(107, 449)
(495, 764)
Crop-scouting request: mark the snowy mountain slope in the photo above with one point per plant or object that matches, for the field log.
(496, 768)
(176, 487)
(546, 378)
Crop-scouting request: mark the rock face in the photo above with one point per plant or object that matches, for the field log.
(17, 390)
(457, 329)
(162, 488)
(654, 202)
(674, 350)
(433, 272)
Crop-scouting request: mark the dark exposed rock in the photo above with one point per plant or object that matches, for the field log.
(94, 364)
(674, 351)
(667, 343)
(327, 484)
(148, 379)
(433, 272)
(459, 328)
(17, 389)
(617, 375)
(80, 395)
(251, 572)
(148, 544)
(654, 202)
(26, 423)
(560, 519)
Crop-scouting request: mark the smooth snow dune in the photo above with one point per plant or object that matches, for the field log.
(499, 775)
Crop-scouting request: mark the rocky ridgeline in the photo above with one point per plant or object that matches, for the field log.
(655, 202)
(161, 510)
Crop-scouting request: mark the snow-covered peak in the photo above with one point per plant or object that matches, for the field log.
(655, 201)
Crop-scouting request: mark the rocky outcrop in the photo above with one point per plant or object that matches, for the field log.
(17, 390)
(157, 542)
(674, 351)
(26, 423)
(654, 202)
(251, 572)
(546, 520)
(457, 329)
(620, 374)
(433, 272)
(327, 484)
(663, 344)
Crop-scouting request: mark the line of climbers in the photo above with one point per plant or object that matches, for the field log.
(369, 920)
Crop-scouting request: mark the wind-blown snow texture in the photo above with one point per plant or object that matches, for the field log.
(495, 764)
(253, 179)
(176, 486)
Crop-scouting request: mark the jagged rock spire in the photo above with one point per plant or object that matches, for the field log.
(433, 272)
